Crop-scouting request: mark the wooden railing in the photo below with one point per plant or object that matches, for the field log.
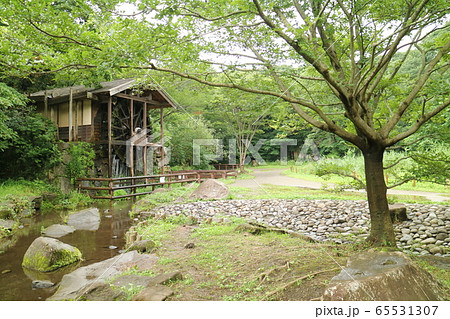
(109, 185)
(227, 166)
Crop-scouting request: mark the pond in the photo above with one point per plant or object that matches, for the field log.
(15, 282)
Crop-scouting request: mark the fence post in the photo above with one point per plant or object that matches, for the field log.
(111, 191)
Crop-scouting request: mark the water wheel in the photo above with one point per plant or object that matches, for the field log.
(124, 122)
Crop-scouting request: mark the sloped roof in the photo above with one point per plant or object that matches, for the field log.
(59, 92)
(115, 86)
(111, 88)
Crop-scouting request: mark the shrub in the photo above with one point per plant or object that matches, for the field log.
(81, 161)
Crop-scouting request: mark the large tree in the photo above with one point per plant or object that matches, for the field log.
(337, 63)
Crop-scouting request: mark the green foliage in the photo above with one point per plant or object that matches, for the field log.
(4, 232)
(350, 166)
(21, 187)
(9, 99)
(159, 230)
(432, 163)
(27, 140)
(82, 157)
(182, 130)
(240, 116)
(72, 201)
(19, 204)
(421, 164)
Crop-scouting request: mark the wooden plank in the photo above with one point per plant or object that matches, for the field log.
(93, 108)
(162, 139)
(45, 104)
(120, 88)
(145, 185)
(144, 100)
(76, 121)
(70, 115)
(144, 122)
(109, 137)
(95, 188)
(52, 113)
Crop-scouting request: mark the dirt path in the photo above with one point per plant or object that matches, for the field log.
(274, 177)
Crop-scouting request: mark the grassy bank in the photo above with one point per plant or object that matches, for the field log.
(52, 196)
(227, 264)
(16, 202)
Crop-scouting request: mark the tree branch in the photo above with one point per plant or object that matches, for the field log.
(397, 161)
(64, 37)
(417, 125)
(192, 13)
(412, 95)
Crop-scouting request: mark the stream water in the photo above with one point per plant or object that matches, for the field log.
(15, 282)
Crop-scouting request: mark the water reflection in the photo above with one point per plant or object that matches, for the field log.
(94, 245)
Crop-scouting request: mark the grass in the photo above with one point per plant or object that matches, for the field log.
(21, 188)
(441, 275)
(306, 171)
(181, 194)
(236, 266)
(159, 230)
(176, 193)
(230, 265)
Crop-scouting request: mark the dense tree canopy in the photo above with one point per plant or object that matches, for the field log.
(372, 73)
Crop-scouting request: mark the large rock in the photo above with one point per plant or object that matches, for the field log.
(36, 202)
(211, 189)
(6, 223)
(78, 282)
(87, 219)
(134, 280)
(154, 293)
(100, 291)
(58, 230)
(382, 276)
(47, 254)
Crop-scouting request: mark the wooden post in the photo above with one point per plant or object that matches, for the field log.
(132, 159)
(109, 137)
(111, 191)
(162, 141)
(93, 121)
(52, 112)
(70, 115)
(144, 119)
(132, 134)
(45, 104)
(57, 122)
(131, 118)
(76, 121)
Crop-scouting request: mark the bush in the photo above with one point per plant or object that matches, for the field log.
(182, 130)
(82, 157)
(33, 149)
(27, 140)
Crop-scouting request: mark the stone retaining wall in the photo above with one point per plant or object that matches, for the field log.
(426, 231)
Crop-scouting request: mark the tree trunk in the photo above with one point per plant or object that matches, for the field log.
(382, 230)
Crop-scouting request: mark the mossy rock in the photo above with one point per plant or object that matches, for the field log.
(48, 254)
(143, 246)
(252, 229)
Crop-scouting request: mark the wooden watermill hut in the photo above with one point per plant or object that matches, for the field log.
(114, 116)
